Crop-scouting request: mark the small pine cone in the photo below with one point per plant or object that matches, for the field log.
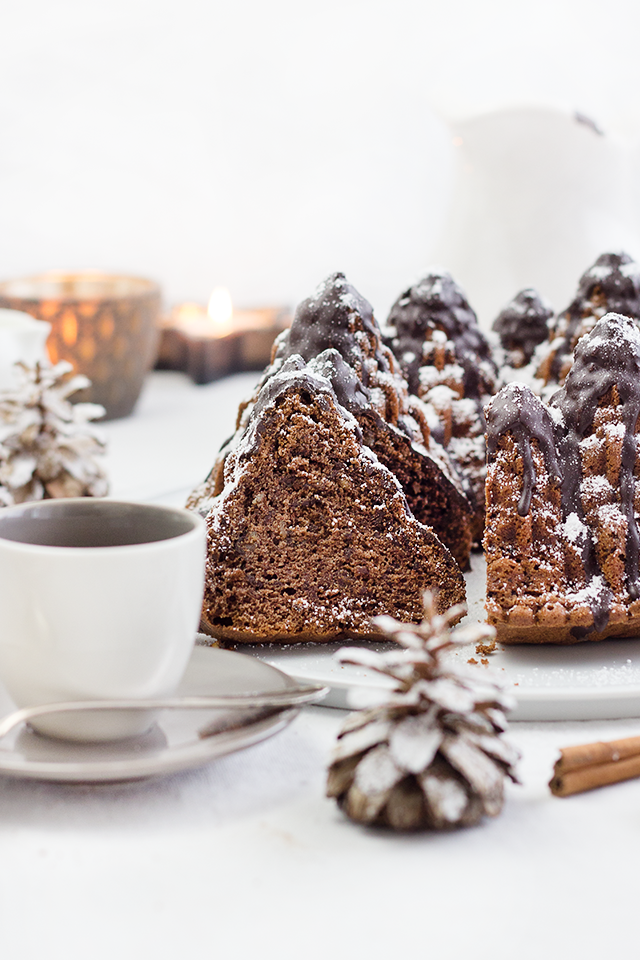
(432, 755)
(48, 448)
(457, 787)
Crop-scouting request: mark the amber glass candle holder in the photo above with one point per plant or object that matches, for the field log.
(104, 324)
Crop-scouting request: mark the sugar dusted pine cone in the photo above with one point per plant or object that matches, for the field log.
(48, 449)
(432, 755)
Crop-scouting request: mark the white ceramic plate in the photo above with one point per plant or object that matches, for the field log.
(172, 744)
(585, 681)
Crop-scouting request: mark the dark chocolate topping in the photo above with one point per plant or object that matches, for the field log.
(524, 322)
(329, 329)
(438, 303)
(615, 279)
(517, 410)
(331, 319)
(609, 357)
(348, 388)
(618, 277)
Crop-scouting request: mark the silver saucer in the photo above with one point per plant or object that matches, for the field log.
(173, 743)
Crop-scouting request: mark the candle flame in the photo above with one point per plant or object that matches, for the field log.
(220, 308)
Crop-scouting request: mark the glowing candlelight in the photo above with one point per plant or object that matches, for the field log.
(217, 320)
(217, 340)
(220, 310)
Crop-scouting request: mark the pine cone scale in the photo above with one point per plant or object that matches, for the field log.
(446, 799)
(414, 742)
(405, 807)
(341, 775)
(357, 741)
(485, 777)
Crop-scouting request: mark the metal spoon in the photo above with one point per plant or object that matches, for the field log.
(294, 697)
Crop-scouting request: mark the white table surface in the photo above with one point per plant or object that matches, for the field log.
(245, 857)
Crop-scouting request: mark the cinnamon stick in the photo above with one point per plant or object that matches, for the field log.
(591, 765)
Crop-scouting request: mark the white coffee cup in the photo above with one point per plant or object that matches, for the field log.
(99, 599)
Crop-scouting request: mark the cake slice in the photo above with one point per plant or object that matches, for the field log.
(562, 538)
(311, 535)
(337, 328)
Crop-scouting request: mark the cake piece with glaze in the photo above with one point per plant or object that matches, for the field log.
(448, 363)
(521, 326)
(311, 535)
(561, 537)
(611, 285)
(336, 327)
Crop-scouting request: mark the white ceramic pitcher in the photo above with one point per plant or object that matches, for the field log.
(538, 195)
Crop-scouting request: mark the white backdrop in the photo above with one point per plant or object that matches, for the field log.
(261, 145)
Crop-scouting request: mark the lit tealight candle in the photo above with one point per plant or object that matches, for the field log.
(202, 341)
(211, 342)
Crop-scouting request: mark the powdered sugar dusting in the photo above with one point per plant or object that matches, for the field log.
(574, 529)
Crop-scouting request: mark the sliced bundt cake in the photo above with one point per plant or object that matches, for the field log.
(311, 534)
(337, 328)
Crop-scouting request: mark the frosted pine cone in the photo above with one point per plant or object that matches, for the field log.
(432, 755)
(48, 449)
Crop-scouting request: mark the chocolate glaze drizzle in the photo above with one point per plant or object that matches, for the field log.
(608, 357)
(524, 322)
(518, 411)
(438, 303)
(347, 385)
(615, 279)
